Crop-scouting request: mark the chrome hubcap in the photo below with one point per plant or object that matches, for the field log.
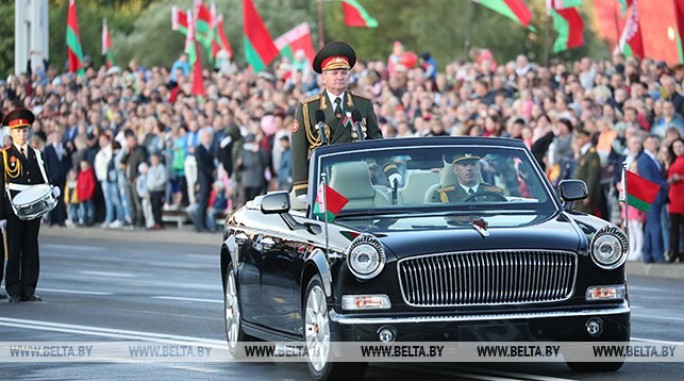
(232, 311)
(317, 329)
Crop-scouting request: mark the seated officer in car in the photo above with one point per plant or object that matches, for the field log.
(469, 184)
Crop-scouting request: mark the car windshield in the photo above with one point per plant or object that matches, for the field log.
(431, 180)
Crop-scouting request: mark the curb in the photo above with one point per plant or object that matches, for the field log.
(174, 235)
(189, 236)
(660, 270)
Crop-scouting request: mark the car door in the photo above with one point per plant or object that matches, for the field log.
(249, 276)
(278, 285)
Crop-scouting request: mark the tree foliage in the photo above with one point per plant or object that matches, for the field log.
(141, 29)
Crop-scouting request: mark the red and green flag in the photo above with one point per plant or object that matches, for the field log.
(330, 203)
(107, 44)
(179, 20)
(569, 26)
(73, 40)
(204, 25)
(355, 15)
(220, 41)
(259, 47)
(679, 16)
(515, 10)
(296, 39)
(197, 77)
(631, 42)
(641, 193)
(191, 48)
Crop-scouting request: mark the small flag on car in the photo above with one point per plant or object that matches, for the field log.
(331, 203)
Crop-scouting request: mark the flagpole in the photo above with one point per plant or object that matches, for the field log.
(324, 185)
(321, 34)
(624, 199)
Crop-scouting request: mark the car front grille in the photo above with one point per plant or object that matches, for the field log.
(487, 277)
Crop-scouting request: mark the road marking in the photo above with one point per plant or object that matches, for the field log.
(658, 317)
(75, 292)
(658, 341)
(109, 332)
(72, 247)
(478, 374)
(193, 369)
(188, 299)
(107, 273)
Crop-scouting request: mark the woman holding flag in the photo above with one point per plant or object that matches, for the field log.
(675, 177)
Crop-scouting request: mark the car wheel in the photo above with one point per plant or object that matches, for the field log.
(318, 335)
(234, 332)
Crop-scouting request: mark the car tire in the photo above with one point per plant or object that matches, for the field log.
(233, 318)
(318, 335)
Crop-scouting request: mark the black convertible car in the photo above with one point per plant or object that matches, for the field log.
(470, 243)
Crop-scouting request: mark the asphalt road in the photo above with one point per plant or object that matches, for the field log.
(108, 290)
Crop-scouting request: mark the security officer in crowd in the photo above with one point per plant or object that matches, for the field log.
(334, 62)
(22, 167)
(469, 183)
(588, 169)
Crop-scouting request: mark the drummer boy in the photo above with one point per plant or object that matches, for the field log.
(21, 167)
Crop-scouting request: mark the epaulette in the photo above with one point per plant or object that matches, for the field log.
(592, 149)
(447, 188)
(311, 98)
(359, 96)
(492, 188)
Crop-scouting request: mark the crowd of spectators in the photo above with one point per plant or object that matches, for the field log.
(133, 143)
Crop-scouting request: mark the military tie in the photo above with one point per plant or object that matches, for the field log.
(22, 152)
(471, 191)
(338, 108)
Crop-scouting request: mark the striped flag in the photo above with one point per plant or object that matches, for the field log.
(641, 193)
(297, 38)
(107, 44)
(259, 47)
(355, 15)
(73, 40)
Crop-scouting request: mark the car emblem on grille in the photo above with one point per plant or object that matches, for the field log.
(480, 225)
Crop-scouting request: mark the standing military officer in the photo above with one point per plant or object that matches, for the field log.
(588, 169)
(22, 167)
(334, 62)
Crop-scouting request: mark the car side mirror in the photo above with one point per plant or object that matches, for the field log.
(279, 203)
(573, 190)
(275, 203)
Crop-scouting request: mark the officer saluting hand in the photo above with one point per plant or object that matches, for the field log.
(334, 62)
(22, 167)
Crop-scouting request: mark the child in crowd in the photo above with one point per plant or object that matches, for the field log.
(85, 184)
(144, 194)
(71, 198)
(635, 219)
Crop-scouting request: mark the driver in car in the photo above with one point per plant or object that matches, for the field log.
(469, 185)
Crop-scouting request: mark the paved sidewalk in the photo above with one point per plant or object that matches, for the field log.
(187, 235)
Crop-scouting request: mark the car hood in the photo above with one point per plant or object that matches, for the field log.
(528, 232)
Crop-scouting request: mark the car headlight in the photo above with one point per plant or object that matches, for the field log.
(365, 257)
(609, 248)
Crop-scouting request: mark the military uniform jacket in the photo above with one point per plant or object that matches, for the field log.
(588, 169)
(16, 169)
(457, 193)
(305, 136)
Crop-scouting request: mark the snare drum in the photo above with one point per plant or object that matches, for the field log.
(34, 202)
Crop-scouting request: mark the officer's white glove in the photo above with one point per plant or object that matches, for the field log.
(3, 224)
(394, 177)
(56, 192)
